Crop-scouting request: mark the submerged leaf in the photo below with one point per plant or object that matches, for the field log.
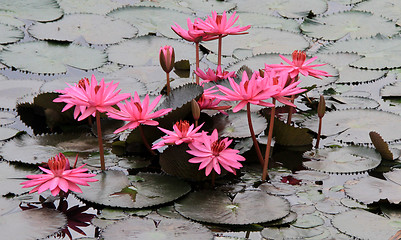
(287, 135)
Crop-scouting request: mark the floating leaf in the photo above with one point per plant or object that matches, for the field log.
(308, 175)
(351, 159)
(339, 102)
(149, 229)
(12, 90)
(237, 125)
(289, 233)
(393, 176)
(308, 221)
(279, 189)
(378, 189)
(10, 34)
(6, 118)
(115, 189)
(95, 29)
(362, 224)
(354, 24)
(11, 177)
(37, 10)
(330, 206)
(354, 125)
(389, 9)
(89, 6)
(45, 57)
(247, 207)
(288, 135)
(264, 20)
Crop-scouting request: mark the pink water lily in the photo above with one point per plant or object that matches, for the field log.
(90, 96)
(59, 177)
(219, 25)
(193, 34)
(136, 113)
(183, 133)
(212, 152)
(214, 75)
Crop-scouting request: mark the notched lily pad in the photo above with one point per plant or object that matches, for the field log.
(247, 207)
(288, 135)
(37, 10)
(350, 159)
(289, 233)
(10, 34)
(236, 125)
(11, 177)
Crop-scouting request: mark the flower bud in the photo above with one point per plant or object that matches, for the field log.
(167, 58)
(321, 108)
(195, 109)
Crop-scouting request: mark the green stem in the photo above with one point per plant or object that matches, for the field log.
(99, 139)
(255, 142)
(145, 141)
(269, 141)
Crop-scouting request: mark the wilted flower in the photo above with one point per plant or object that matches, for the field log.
(59, 177)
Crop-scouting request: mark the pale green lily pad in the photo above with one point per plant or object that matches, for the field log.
(145, 51)
(289, 233)
(37, 10)
(11, 177)
(115, 189)
(378, 189)
(259, 41)
(13, 90)
(160, 22)
(95, 29)
(302, 209)
(390, 9)
(311, 195)
(6, 118)
(45, 57)
(347, 74)
(330, 206)
(237, 125)
(10, 34)
(378, 52)
(264, 20)
(308, 221)
(351, 203)
(11, 21)
(392, 90)
(354, 125)
(393, 176)
(278, 188)
(338, 102)
(362, 224)
(24, 224)
(290, 218)
(354, 24)
(286, 8)
(149, 229)
(7, 133)
(259, 61)
(89, 6)
(351, 159)
(247, 207)
(308, 175)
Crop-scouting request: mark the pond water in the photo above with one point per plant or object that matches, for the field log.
(47, 43)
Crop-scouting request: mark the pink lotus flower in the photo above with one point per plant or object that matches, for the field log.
(193, 34)
(214, 76)
(219, 25)
(89, 97)
(299, 65)
(211, 152)
(137, 113)
(167, 58)
(183, 133)
(59, 177)
(248, 91)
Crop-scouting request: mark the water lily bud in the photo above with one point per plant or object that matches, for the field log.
(321, 108)
(167, 58)
(195, 109)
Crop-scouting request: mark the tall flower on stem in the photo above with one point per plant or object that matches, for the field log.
(59, 177)
(193, 34)
(137, 113)
(91, 98)
(212, 152)
(249, 91)
(220, 26)
(167, 58)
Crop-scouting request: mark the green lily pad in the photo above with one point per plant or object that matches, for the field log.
(115, 189)
(264, 20)
(308, 221)
(354, 125)
(392, 90)
(13, 90)
(290, 218)
(390, 9)
(95, 29)
(289, 233)
(286, 8)
(260, 41)
(279, 189)
(302, 209)
(11, 177)
(339, 102)
(378, 190)
(237, 125)
(287, 135)
(37, 10)
(362, 224)
(136, 52)
(330, 206)
(247, 207)
(160, 22)
(10, 34)
(44, 57)
(354, 24)
(89, 6)
(350, 159)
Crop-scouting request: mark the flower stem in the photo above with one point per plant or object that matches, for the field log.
(197, 61)
(145, 141)
(290, 109)
(255, 142)
(269, 141)
(168, 83)
(219, 51)
(319, 133)
(100, 141)
(213, 178)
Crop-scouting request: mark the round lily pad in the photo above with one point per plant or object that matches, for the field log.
(339, 102)
(247, 207)
(350, 159)
(289, 233)
(95, 29)
(7, 133)
(237, 125)
(37, 10)
(354, 24)
(390, 9)
(10, 34)
(115, 189)
(308, 221)
(354, 125)
(11, 177)
(149, 229)
(279, 189)
(362, 224)
(330, 206)
(308, 175)
(264, 20)
(44, 57)
(13, 90)
(145, 51)
(350, 203)
(89, 6)
(393, 176)
(6, 118)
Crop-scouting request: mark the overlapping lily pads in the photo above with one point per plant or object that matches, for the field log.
(89, 6)
(245, 208)
(237, 125)
(115, 189)
(11, 177)
(389, 9)
(37, 10)
(13, 90)
(264, 20)
(46, 57)
(10, 34)
(95, 29)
